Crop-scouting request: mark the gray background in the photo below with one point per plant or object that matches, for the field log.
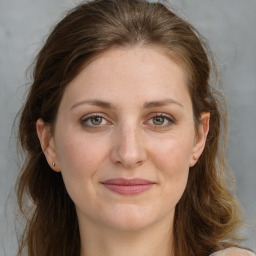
(229, 25)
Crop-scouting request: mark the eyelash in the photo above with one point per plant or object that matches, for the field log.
(167, 118)
(88, 118)
(168, 121)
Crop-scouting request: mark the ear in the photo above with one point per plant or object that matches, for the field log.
(47, 144)
(200, 139)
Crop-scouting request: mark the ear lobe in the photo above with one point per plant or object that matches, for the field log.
(201, 137)
(47, 144)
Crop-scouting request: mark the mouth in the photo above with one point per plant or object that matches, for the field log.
(128, 186)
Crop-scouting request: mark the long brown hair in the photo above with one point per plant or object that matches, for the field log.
(207, 216)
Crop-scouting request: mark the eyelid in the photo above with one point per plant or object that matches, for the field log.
(168, 117)
(171, 120)
(91, 115)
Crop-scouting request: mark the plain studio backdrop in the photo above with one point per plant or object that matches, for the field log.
(229, 26)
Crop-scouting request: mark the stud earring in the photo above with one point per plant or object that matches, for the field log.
(53, 164)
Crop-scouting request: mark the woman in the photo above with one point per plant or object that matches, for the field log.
(122, 130)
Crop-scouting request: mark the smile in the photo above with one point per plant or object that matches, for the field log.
(128, 186)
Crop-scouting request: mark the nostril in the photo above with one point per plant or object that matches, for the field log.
(128, 162)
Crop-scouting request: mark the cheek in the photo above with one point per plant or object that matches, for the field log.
(78, 153)
(173, 154)
(171, 158)
(79, 159)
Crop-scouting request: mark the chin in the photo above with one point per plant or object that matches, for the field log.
(132, 218)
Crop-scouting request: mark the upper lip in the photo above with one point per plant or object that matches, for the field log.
(127, 182)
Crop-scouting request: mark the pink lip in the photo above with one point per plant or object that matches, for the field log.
(128, 186)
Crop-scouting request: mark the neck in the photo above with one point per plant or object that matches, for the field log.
(155, 240)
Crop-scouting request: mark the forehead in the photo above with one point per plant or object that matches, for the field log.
(141, 71)
(150, 52)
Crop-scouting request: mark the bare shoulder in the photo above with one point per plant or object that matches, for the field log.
(233, 252)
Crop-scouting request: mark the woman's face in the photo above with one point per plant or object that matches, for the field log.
(125, 138)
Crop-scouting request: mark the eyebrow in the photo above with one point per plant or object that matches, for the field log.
(94, 102)
(147, 105)
(161, 103)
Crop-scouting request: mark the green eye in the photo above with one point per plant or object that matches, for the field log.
(161, 121)
(96, 120)
(158, 120)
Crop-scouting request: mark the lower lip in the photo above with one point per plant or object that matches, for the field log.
(128, 189)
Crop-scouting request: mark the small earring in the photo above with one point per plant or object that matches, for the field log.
(53, 164)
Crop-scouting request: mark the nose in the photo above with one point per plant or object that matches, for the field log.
(129, 148)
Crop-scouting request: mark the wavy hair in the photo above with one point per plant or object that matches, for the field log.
(207, 216)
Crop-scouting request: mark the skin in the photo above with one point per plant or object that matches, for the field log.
(126, 140)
